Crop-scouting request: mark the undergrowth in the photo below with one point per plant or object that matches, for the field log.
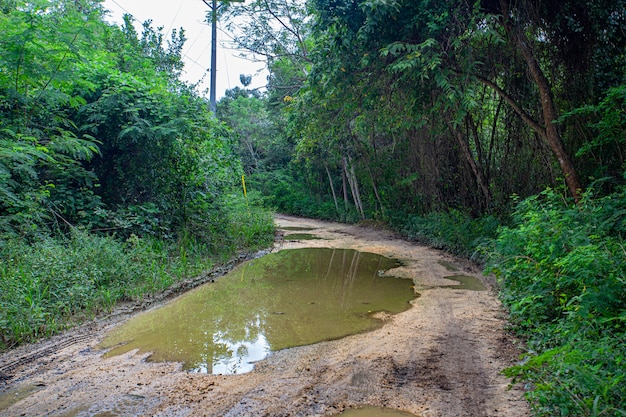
(563, 276)
(53, 283)
(454, 231)
(286, 195)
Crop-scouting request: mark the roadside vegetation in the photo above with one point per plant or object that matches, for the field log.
(563, 277)
(561, 270)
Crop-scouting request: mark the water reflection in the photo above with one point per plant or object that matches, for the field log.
(284, 299)
(243, 354)
(374, 412)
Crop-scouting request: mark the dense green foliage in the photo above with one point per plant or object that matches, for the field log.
(85, 129)
(115, 179)
(425, 106)
(453, 231)
(563, 278)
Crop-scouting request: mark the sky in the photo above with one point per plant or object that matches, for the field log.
(190, 15)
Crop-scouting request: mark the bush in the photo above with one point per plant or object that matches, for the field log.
(249, 225)
(55, 282)
(286, 195)
(43, 285)
(453, 231)
(563, 279)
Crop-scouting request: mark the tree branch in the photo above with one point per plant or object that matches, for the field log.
(541, 131)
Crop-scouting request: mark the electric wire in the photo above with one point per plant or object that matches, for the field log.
(167, 32)
(125, 11)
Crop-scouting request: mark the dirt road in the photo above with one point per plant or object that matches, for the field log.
(440, 358)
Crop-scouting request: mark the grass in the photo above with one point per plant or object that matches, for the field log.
(55, 283)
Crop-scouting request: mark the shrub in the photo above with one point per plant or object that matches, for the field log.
(454, 231)
(249, 225)
(563, 279)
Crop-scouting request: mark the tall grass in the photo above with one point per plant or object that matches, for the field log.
(54, 283)
(46, 286)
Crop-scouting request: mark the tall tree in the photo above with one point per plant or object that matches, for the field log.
(445, 104)
(277, 32)
(515, 27)
(41, 172)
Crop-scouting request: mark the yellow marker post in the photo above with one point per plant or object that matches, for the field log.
(245, 194)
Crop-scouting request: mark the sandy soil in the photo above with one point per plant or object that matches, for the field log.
(440, 358)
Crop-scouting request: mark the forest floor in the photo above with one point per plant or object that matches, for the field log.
(440, 358)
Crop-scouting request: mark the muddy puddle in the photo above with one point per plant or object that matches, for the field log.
(297, 228)
(374, 412)
(465, 282)
(14, 395)
(301, 236)
(289, 298)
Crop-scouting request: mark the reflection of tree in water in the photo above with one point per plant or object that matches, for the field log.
(336, 291)
(235, 356)
(285, 299)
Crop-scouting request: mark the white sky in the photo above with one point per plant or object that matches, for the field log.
(190, 14)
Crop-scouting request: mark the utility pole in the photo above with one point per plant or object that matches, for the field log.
(214, 7)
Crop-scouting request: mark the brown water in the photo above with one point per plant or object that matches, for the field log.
(281, 300)
(16, 394)
(466, 282)
(301, 236)
(374, 412)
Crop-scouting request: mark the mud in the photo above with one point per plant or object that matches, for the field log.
(442, 357)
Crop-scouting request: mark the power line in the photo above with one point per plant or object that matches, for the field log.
(196, 47)
(194, 42)
(180, 6)
(125, 11)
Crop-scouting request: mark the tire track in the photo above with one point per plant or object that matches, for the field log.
(8, 370)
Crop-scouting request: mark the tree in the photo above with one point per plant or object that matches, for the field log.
(161, 154)
(515, 31)
(96, 129)
(41, 43)
(437, 105)
(446, 50)
(276, 31)
(246, 113)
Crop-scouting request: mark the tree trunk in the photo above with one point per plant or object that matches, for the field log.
(475, 166)
(380, 201)
(344, 180)
(354, 187)
(492, 140)
(548, 107)
(357, 191)
(332, 187)
(255, 159)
